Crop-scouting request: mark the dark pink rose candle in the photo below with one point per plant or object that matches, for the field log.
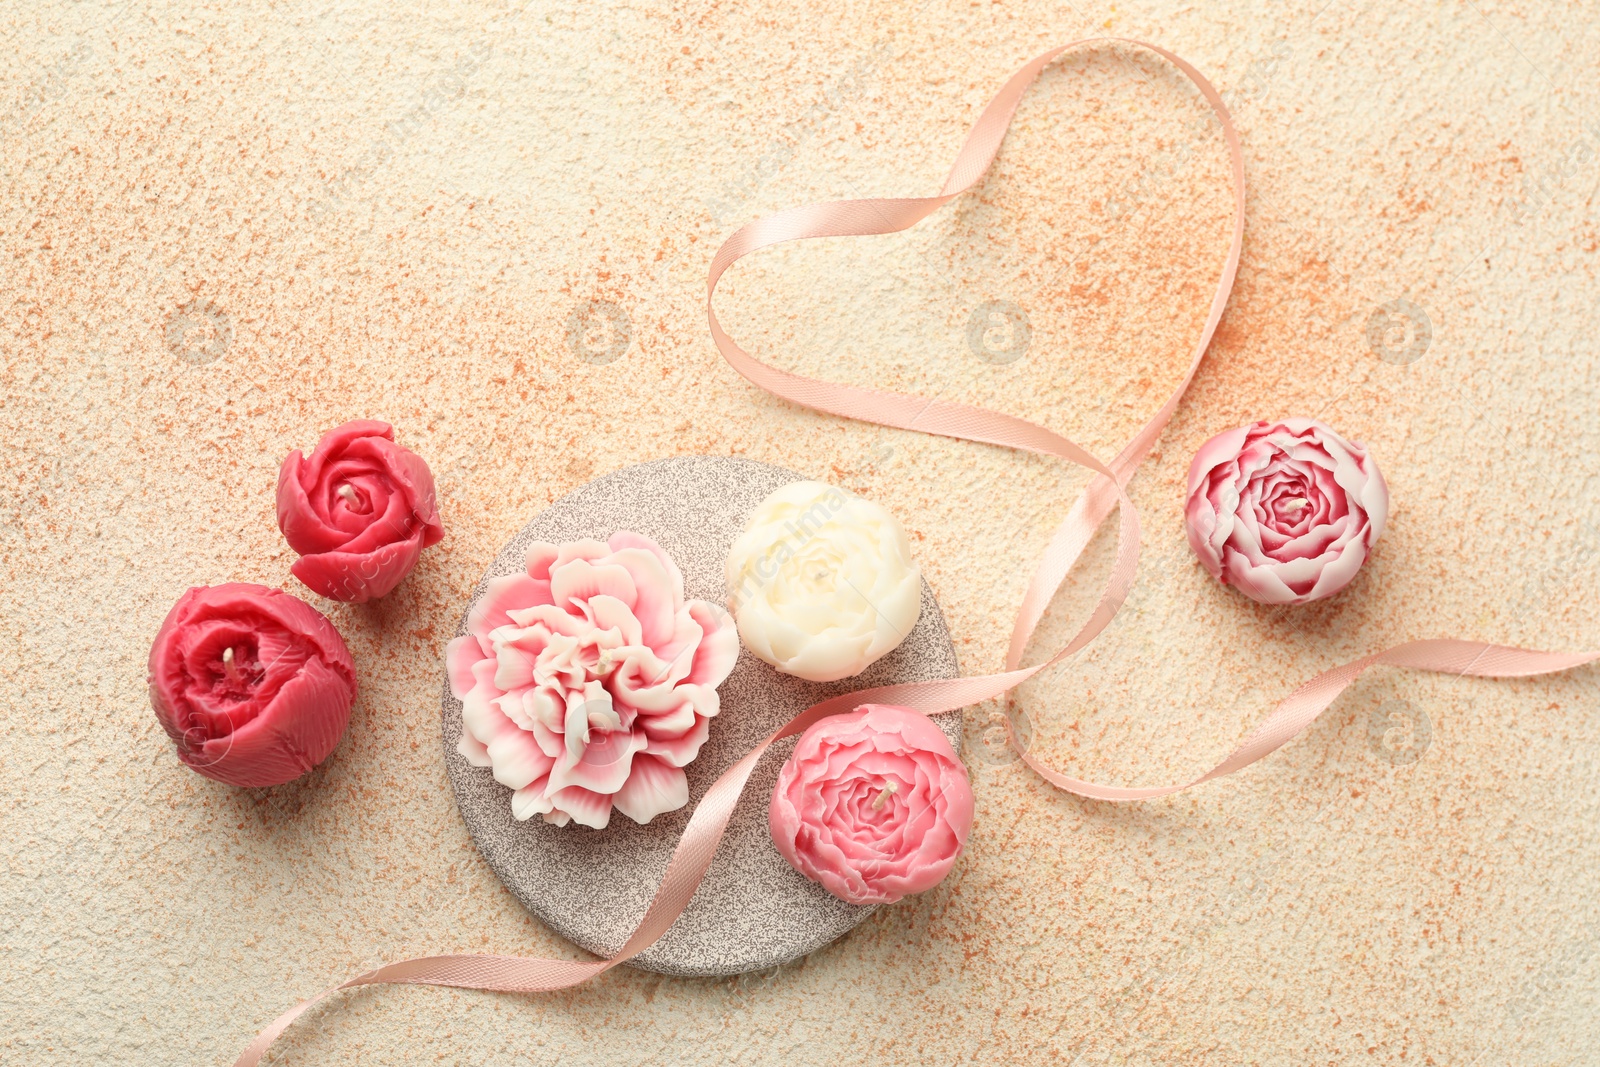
(253, 685)
(359, 510)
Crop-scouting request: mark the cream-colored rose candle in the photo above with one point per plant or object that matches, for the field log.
(822, 583)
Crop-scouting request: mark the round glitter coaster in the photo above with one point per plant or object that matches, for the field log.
(592, 886)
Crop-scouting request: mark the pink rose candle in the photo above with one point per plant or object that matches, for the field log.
(873, 804)
(587, 682)
(253, 685)
(1286, 512)
(359, 510)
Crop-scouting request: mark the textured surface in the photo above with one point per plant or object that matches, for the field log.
(228, 228)
(753, 911)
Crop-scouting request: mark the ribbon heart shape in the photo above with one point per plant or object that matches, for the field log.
(1106, 491)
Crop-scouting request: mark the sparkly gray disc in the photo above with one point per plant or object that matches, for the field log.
(592, 886)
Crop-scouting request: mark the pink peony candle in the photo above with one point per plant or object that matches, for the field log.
(873, 804)
(359, 510)
(1286, 512)
(253, 685)
(588, 682)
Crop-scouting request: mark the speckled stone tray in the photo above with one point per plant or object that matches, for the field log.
(592, 886)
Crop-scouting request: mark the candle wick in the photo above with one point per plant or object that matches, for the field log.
(889, 790)
(347, 493)
(228, 664)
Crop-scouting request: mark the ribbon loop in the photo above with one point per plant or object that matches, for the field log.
(1106, 490)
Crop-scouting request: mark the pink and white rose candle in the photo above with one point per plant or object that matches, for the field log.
(1286, 512)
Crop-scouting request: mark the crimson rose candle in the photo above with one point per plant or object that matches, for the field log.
(359, 510)
(253, 685)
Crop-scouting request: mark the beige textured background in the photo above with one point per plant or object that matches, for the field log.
(397, 214)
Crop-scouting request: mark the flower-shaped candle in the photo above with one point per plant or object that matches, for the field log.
(359, 510)
(253, 685)
(873, 804)
(587, 681)
(822, 582)
(1286, 511)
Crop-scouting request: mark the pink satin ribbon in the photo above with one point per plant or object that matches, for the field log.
(1107, 490)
